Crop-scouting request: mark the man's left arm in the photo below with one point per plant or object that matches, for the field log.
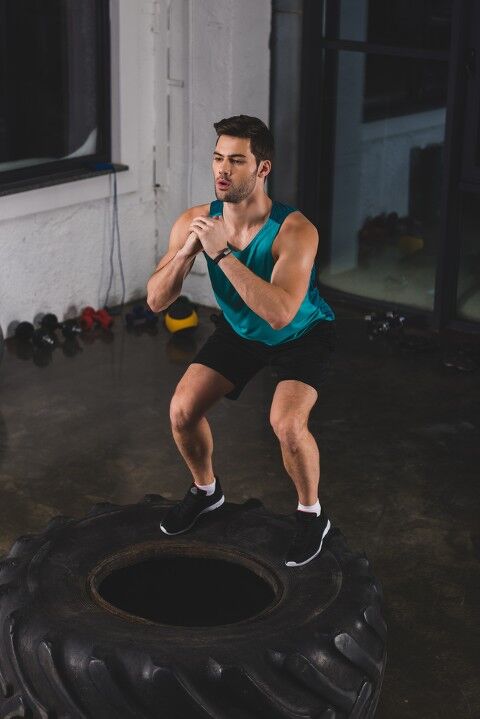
(279, 300)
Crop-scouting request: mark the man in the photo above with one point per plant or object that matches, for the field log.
(260, 255)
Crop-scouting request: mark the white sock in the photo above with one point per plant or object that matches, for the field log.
(311, 507)
(208, 488)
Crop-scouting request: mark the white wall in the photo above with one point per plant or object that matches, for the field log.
(177, 67)
(229, 66)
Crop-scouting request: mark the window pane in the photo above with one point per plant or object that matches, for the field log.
(468, 286)
(421, 24)
(401, 86)
(385, 187)
(48, 81)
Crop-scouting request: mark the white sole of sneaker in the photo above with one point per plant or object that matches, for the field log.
(207, 509)
(300, 564)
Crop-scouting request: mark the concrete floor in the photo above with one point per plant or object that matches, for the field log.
(399, 438)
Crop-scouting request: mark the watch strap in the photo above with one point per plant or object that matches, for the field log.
(226, 251)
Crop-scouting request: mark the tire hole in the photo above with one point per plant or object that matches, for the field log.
(187, 591)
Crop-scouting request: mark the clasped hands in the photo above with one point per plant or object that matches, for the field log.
(211, 232)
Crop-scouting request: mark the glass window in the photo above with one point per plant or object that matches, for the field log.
(51, 91)
(385, 185)
(401, 86)
(423, 24)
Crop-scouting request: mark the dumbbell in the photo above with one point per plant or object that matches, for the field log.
(31, 343)
(383, 323)
(40, 337)
(69, 328)
(90, 316)
(24, 331)
(141, 315)
(44, 337)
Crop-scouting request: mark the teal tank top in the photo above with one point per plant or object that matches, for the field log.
(257, 256)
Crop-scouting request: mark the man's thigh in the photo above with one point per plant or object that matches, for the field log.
(232, 357)
(307, 360)
(199, 389)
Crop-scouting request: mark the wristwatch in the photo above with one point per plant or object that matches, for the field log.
(226, 251)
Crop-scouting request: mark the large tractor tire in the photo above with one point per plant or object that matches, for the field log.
(106, 617)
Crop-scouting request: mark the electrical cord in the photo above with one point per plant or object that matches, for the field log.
(115, 226)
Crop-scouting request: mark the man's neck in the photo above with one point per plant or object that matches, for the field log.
(249, 213)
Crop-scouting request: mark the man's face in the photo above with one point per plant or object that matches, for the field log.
(234, 162)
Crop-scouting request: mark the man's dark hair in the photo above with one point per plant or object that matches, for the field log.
(261, 139)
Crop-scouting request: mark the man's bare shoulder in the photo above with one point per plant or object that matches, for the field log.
(197, 210)
(296, 226)
(190, 213)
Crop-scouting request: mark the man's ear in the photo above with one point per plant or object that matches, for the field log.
(265, 167)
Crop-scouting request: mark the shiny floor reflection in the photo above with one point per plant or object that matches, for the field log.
(399, 438)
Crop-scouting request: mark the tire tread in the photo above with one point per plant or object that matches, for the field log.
(9, 629)
(51, 671)
(357, 655)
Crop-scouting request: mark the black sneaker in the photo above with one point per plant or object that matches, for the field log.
(308, 538)
(185, 513)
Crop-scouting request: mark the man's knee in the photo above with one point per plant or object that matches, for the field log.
(289, 429)
(182, 412)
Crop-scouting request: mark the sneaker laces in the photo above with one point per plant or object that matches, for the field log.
(191, 498)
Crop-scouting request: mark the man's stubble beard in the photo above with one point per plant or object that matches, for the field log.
(239, 193)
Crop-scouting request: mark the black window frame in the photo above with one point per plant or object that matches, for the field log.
(71, 169)
(318, 121)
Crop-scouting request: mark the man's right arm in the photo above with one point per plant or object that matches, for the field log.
(165, 285)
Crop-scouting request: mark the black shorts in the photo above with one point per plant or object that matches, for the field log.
(307, 358)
